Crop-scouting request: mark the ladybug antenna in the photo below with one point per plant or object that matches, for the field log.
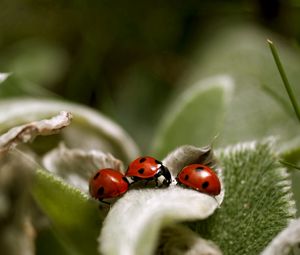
(213, 141)
(210, 146)
(208, 158)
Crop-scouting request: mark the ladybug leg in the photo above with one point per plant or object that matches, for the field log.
(156, 182)
(104, 205)
(167, 175)
(134, 179)
(163, 171)
(146, 182)
(104, 202)
(155, 178)
(178, 182)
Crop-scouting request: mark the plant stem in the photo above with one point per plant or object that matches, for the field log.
(283, 162)
(284, 78)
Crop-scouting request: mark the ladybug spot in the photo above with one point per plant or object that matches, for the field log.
(141, 171)
(100, 191)
(142, 160)
(205, 185)
(198, 169)
(158, 162)
(96, 176)
(186, 177)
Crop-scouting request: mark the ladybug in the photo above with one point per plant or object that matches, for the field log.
(148, 168)
(201, 178)
(108, 183)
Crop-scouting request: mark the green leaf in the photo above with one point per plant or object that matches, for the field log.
(286, 241)
(260, 106)
(196, 117)
(75, 218)
(45, 239)
(16, 86)
(35, 60)
(258, 202)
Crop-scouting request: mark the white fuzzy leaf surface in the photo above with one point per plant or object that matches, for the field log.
(186, 155)
(180, 240)
(286, 241)
(76, 166)
(136, 219)
(133, 224)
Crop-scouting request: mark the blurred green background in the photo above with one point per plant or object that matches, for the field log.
(131, 59)
(125, 58)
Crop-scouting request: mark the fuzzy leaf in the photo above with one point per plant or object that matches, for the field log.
(179, 240)
(135, 220)
(75, 218)
(259, 106)
(286, 241)
(47, 238)
(258, 202)
(27, 132)
(196, 116)
(77, 166)
(89, 129)
(36, 60)
(16, 230)
(151, 209)
(187, 155)
(16, 86)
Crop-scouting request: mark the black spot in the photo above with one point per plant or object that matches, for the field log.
(186, 177)
(158, 162)
(142, 160)
(125, 179)
(198, 169)
(100, 191)
(96, 176)
(205, 185)
(141, 171)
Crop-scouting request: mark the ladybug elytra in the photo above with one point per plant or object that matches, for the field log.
(201, 178)
(108, 183)
(148, 168)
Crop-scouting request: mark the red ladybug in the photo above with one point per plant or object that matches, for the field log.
(108, 183)
(148, 168)
(201, 178)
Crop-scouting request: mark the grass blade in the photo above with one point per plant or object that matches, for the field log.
(284, 78)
